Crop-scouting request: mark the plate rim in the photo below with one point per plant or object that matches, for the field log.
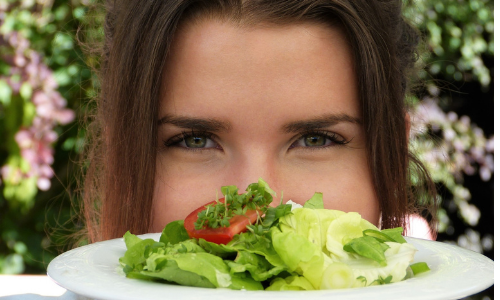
(82, 289)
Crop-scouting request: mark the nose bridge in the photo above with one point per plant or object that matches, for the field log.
(253, 164)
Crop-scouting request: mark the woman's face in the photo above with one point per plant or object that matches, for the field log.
(277, 102)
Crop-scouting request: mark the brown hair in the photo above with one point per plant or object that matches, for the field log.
(119, 183)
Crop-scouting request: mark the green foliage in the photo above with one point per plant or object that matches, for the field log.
(459, 39)
(43, 79)
(458, 34)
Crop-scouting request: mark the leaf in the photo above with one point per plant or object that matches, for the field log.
(134, 256)
(171, 272)
(419, 267)
(229, 190)
(220, 250)
(258, 267)
(5, 93)
(395, 234)
(368, 247)
(174, 232)
(130, 239)
(290, 283)
(362, 279)
(316, 202)
(379, 236)
(388, 279)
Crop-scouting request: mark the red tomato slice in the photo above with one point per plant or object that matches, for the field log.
(222, 235)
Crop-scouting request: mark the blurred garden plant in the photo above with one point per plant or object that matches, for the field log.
(45, 85)
(458, 35)
(41, 76)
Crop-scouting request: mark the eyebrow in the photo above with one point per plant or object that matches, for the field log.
(320, 122)
(198, 124)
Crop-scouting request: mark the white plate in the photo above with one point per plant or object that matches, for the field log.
(94, 271)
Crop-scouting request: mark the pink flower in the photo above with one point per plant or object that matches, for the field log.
(46, 171)
(43, 183)
(50, 137)
(64, 116)
(24, 138)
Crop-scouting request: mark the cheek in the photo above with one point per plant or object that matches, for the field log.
(179, 190)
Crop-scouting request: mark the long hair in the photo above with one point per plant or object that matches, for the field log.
(119, 183)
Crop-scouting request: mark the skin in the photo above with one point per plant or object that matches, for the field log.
(262, 84)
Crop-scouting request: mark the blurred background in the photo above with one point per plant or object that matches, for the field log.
(46, 84)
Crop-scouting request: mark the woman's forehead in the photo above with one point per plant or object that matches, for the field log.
(213, 66)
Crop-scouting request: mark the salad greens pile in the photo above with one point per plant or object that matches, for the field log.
(306, 248)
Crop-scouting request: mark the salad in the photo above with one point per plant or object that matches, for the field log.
(240, 242)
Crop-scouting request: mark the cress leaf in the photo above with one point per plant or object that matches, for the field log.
(229, 190)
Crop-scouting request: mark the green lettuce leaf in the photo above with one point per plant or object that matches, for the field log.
(134, 258)
(368, 247)
(174, 232)
(291, 283)
(172, 273)
(184, 263)
(299, 254)
(256, 265)
(312, 224)
(316, 202)
(257, 244)
(131, 239)
(220, 250)
(368, 272)
(337, 275)
(419, 267)
(341, 231)
(395, 234)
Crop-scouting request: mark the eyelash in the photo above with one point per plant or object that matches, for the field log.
(174, 141)
(335, 138)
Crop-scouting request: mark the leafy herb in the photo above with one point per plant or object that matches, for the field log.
(382, 280)
(257, 197)
(362, 279)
